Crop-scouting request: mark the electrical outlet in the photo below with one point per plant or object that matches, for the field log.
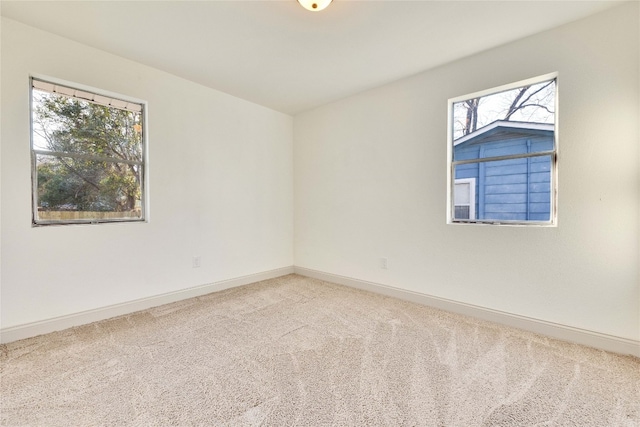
(196, 262)
(383, 263)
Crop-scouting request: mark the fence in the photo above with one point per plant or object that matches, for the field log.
(71, 215)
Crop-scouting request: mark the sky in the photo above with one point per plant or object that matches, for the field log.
(493, 107)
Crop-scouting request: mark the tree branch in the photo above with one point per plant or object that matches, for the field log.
(513, 108)
(75, 172)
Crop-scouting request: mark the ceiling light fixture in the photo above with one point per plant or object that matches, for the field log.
(314, 5)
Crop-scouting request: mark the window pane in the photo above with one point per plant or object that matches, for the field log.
(534, 103)
(71, 125)
(499, 143)
(80, 189)
(88, 156)
(461, 195)
(510, 190)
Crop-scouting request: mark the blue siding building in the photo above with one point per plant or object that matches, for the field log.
(514, 189)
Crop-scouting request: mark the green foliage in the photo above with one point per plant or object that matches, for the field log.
(69, 125)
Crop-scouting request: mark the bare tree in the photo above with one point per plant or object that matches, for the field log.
(529, 102)
(471, 124)
(477, 112)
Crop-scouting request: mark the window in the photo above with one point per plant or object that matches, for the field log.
(87, 155)
(503, 155)
(464, 199)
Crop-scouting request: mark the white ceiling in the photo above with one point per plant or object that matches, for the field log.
(277, 54)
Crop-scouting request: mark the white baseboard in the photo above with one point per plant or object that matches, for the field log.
(554, 330)
(33, 329)
(563, 332)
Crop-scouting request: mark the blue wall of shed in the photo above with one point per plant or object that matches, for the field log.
(516, 189)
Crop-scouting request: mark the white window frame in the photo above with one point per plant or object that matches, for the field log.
(104, 97)
(450, 211)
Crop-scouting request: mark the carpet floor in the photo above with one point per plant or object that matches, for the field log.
(295, 351)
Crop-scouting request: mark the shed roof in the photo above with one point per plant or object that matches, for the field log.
(504, 129)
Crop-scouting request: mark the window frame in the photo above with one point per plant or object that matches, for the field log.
(35, 152)
(553, 184)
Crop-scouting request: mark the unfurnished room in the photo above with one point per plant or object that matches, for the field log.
(320, 213)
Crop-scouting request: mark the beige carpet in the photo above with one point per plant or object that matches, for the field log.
(295, 351)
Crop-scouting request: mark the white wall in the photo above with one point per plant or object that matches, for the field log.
(370, 182)
(220, 187)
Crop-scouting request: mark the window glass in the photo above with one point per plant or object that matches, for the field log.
(503, 145)
(87, 156)
(464, 199)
